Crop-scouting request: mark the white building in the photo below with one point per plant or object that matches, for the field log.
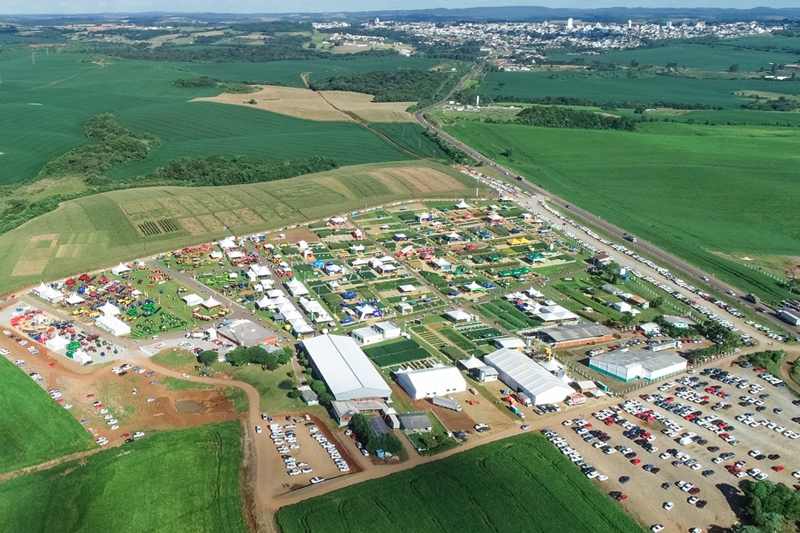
(346, 370)
(296, 288)
(429, 382)
(512, 343)
(641, 363)
(522, 374)
(113, 325)
(366, 336)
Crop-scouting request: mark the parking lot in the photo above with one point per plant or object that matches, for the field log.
(304, 449)
(687, 446)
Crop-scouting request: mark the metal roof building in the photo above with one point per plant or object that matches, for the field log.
(245, 333)
(576, 335)
(429, 382)
(522, 374)
(647, 364)
(346, 370)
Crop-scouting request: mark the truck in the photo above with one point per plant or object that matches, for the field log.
(790, 316)
(514, 409)
(629, 237)
(750, 297)
(448, 403)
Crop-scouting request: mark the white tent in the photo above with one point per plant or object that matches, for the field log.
(45, 292)
(257, 271)
(462, 205)
(120, 268)
(234, 254)
(74, 299)
(296, 288)
(211, 303)
(56, 343)
(227, 243)
(438, 380)
(82, 357)
(109, 309)
(113, 325)
(192, 300)
(263, 303)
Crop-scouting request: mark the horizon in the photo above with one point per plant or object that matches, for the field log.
(286, 7)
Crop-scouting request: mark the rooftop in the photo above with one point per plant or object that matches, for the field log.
(576, 332)
(648, 360)
(345, 368)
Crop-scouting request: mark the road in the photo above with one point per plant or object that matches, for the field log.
(642, 247)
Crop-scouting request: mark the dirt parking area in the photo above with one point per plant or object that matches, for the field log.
(309, 451)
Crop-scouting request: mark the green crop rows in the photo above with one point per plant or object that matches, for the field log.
(396, 352)
(518, 484)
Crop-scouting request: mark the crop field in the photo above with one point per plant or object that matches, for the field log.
(179, 481)
(717, 57)
(51, 100)
(469, 491)
(695, 190)
(105, 229)
(34, 428)
(396, 352)
(618, 87)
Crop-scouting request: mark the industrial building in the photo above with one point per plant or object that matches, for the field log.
(524, 375)
(378, 332)
(439, 380)
(345, 369)
(635, 364)
(576, 335)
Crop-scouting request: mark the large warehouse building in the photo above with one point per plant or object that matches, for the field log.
(522, 374)
(429, 382)
(576, 335)
(345, 369)
(641, 363)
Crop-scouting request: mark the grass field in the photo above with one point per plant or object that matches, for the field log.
(180, 481)
(33, 428)
(695, 190)
(51, 100)
(716, 57)
(101, 230)
(604, 87)
(396, 352)
(521, 483)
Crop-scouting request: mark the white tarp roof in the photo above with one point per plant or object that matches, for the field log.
(258, 271)
(82, 357)
(234, 254)
(109, 309)
(56, 343)
(227, 243)
(120, 268)
(192, 300)
(46, 292)
(462, 205)
(74, 299)
(346, 370)
(434, 381)
(296, 288)
(211, 303)
(113, 325)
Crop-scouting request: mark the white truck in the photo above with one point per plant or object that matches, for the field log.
(449, 403)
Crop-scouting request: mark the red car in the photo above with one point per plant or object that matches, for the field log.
(693, 491)
(777, 468)
(90, 395)
(636, 461)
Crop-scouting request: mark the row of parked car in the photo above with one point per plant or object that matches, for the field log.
(559, 442)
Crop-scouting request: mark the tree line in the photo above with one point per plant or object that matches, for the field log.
(372, 442)
(423, 86)
(257, 355)
(769, 508)
(562, 117)
(202, 82)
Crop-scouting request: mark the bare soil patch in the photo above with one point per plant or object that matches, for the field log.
(191, 225)
(299, 103)
(392, 182)
(363, 106)
(427, 179)
(300, 234)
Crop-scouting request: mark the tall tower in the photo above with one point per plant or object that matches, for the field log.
(569, 23)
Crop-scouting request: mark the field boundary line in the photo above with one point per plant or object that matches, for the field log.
(47, 465)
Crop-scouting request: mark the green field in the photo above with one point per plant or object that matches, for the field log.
(616, 87)
(694, 190)
(396, 352)
(713, 58)
(180, 481)
(100, 230)
(50, 101)
(33, 427)
(518, 484)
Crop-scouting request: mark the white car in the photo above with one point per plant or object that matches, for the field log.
(668, 506)
(294, 472)
(258, 429)
(317, 479)
(656, 528)
(138, 434)
(306, 470)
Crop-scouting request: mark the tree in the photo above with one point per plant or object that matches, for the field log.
(237, 357)
(658, 301)
(325, 398)
(627, 318)
(285, 355)
(271, 361)
(734, 68)
(256, 354)
(319, 388)
(207, 357)
(634, 63)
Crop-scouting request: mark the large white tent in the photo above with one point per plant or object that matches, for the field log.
(211, 303)
(120, 268)
(48, 293)
(56, 343)
(439, 380)
(296, 288)
(641, 363)
(109, 309)
(192, 300)
(113, 325)
(74, 299)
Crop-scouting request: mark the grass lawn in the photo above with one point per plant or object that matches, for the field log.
(272, 386)
(175, 359)
(175, 384)
(517, 483)
(176, 482)
(33, 427)
(730, 188)
(239, 398)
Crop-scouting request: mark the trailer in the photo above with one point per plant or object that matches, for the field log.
(448, 403)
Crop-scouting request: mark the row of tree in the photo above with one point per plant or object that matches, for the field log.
(769, 508)
(372, 442)
(254, 355)
(207, 82)
(562, 117)
(423, 86)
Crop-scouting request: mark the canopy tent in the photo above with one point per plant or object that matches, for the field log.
(120, 268)
(109, 309)
(462, 205)
(82, 357)
(211, 303)
(74, 299)
(113, 325)
(46, 292)
(227, 243)
(192, 300)
(56, 343)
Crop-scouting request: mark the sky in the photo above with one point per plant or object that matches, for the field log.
(294, 6)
